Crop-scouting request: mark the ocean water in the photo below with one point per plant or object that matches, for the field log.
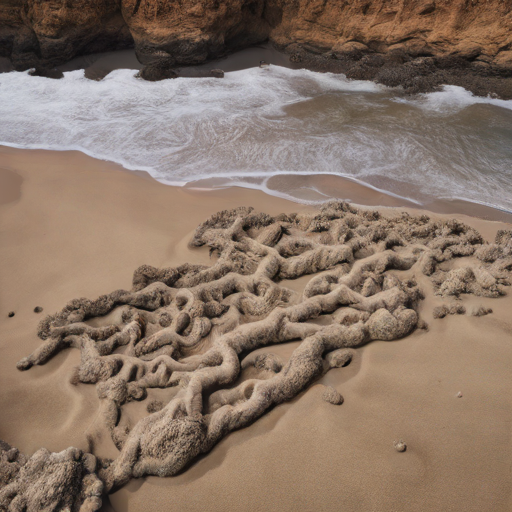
(258, 123)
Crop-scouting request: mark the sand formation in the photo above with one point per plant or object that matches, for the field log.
(49, 481)
(196, 328)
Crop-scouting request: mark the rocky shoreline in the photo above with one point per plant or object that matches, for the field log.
(416, 73)
(418, 45)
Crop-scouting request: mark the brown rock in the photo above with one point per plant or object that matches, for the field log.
(467, 50)
(504, 59)
(52, 32)
(158, 70)
(422, 28)
(47, 72)
(192, 32)
(217, 73)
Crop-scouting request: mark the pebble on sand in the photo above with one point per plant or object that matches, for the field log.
(10, 314)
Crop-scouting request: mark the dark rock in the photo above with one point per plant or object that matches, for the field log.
(155, 71)
(5, 65)
(46, 72)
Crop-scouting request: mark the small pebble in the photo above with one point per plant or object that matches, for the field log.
(38, 309)
(459, 394)
(400, 446)
(10, 314)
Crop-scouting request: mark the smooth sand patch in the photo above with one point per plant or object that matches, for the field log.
(79, 229)
(11, 186)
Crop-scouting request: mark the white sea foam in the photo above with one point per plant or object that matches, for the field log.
(257, 123)
(453, 98)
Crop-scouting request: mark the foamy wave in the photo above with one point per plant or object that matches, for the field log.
(452, 98)
(257, 123)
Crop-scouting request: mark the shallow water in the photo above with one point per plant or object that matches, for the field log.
(257, 123)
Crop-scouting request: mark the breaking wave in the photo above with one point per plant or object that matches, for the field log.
(258, 123)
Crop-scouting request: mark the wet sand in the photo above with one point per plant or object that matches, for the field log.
(323, 187)
(72, 226)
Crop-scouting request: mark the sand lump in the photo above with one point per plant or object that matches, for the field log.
(49, 481)
(332, 396)
(195, 328)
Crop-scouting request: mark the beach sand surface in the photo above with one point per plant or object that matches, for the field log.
(72, 226)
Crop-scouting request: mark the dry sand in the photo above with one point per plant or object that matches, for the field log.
(72, 226)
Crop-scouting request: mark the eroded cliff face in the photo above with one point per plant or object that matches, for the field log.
(192, 31)
(426, 27)
(50, 32)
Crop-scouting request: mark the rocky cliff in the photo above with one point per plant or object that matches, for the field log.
(468, 28)
(49, 32)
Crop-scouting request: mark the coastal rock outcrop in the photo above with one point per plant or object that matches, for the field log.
(196, 328)
(189, 32)
(467, 29)
(193, 31)
(50, 32)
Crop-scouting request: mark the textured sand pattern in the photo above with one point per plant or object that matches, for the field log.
(195, 327)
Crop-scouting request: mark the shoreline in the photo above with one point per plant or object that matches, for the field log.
(416, 72)
(79, 227)
(316, 189)
(319, 186)
(415, 138)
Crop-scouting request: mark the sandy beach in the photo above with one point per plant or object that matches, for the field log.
(72, 226)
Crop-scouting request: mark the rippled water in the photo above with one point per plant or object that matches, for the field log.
(257, 123)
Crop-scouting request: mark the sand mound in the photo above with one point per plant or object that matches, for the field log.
(49, 481)
(191, 326)
(332, 396)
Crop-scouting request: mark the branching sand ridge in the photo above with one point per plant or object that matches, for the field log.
(195, 327)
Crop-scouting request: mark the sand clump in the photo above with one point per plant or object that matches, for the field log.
(49, 481)
(332, 396)
(339, 358)
(445, 310)
(194, 327)
(155, 406)
(459, 309)
(480, 311)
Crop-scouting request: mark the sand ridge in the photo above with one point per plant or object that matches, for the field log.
(415, 443)
(189, 327)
